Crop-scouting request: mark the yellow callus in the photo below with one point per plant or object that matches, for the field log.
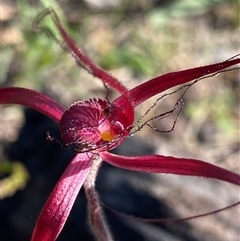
(107, 136)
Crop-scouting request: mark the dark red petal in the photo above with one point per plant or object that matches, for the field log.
(168, 164)
(94, 124)
(166, 81)
(32, 99)
(59, 204)
(170, 220)
(86, 63)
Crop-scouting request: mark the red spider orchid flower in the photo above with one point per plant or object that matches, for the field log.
(93, 127)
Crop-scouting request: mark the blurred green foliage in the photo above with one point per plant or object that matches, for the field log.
(183, 9)
(14, 177)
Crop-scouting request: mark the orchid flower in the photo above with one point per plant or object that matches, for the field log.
(93, 127)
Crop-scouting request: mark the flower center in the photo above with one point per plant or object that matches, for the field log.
(94, 124)
(107, 136)
(110, 129)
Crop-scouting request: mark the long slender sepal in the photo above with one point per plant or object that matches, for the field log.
(163, 82)
(171, 165)
(59, 204)
(32, 99)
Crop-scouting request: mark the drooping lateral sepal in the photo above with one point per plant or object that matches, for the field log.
(59, 204)
(172, 165)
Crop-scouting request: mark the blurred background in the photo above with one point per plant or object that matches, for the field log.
(135, 41)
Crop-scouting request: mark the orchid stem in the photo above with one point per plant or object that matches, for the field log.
(97, 220)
